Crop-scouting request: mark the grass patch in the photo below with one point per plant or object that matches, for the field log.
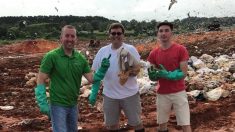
(6, 42)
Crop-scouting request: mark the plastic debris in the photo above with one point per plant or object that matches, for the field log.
(214, 94)
(6, 107)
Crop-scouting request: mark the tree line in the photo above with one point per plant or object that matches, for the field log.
(49, 27)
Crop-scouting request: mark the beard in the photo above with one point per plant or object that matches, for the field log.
(68, 45)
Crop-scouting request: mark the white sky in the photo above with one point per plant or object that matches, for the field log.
(120, 9)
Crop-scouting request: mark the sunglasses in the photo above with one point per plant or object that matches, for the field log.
(116, 33)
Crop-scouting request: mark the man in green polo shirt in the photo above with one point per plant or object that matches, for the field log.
(65, 67)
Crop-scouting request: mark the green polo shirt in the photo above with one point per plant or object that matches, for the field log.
(65, 75)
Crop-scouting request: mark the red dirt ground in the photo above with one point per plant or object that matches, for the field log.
(212, 43)
(19, 59)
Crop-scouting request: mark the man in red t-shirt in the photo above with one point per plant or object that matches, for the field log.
(170, 68)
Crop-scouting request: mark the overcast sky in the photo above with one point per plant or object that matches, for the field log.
(120, 9)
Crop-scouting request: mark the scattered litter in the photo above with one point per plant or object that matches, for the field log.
(6, 107)
(214, 94)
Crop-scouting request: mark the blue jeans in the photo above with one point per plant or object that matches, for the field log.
(64, 119)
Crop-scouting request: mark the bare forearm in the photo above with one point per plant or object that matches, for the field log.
(89, 77)
(184, 68)
(42, 78)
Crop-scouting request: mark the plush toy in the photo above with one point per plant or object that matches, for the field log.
(128, 65)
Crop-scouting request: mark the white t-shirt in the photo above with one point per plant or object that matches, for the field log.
(112, 87)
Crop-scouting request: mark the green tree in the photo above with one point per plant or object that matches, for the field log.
(133, 24)
(22, 24)
(95, 24)
(3, 32)
(87, 27)
(126, 24)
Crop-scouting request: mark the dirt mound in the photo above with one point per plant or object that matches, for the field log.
(144, 49)
(29, 47)
(212, 43)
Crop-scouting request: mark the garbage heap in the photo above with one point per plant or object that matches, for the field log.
(209, 78)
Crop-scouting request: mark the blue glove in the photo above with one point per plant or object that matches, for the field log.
(41, 98)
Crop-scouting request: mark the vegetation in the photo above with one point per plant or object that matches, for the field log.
(48, 27)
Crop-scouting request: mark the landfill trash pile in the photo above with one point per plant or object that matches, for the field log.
(208, 78)
(211, 77)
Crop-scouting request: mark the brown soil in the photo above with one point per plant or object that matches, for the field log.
(212, 43)
(17, 60)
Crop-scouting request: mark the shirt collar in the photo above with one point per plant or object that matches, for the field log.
(61, 52)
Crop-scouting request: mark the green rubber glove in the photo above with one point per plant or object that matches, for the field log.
(174, 75)
(94, 91)
(40, 93)
(100, 73)
(98, 76)
(153, 74)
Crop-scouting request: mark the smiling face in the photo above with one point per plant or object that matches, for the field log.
(116, 36)
(68, 38)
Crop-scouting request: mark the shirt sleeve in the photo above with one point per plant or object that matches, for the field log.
(135, 53)
(86, 68)
(184, 56)
(96, 61)
(46, 63)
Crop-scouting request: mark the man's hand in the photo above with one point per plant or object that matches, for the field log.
(100, 73)
(134, 71)
(105, 62)
(174, 75)
(163, 73)
(41, 98)
(153, 73)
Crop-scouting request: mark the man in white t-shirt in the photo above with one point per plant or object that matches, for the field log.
(119, 97)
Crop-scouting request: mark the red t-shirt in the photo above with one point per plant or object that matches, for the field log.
(170, 59)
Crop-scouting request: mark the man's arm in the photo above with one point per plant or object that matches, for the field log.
(184, 67)
(100, 73)
(40, 93)
(42, 78)
(89, 76)
(96, 79)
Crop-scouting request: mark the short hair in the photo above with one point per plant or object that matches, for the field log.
(69, 27)
(165, 24)
(115, 26)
